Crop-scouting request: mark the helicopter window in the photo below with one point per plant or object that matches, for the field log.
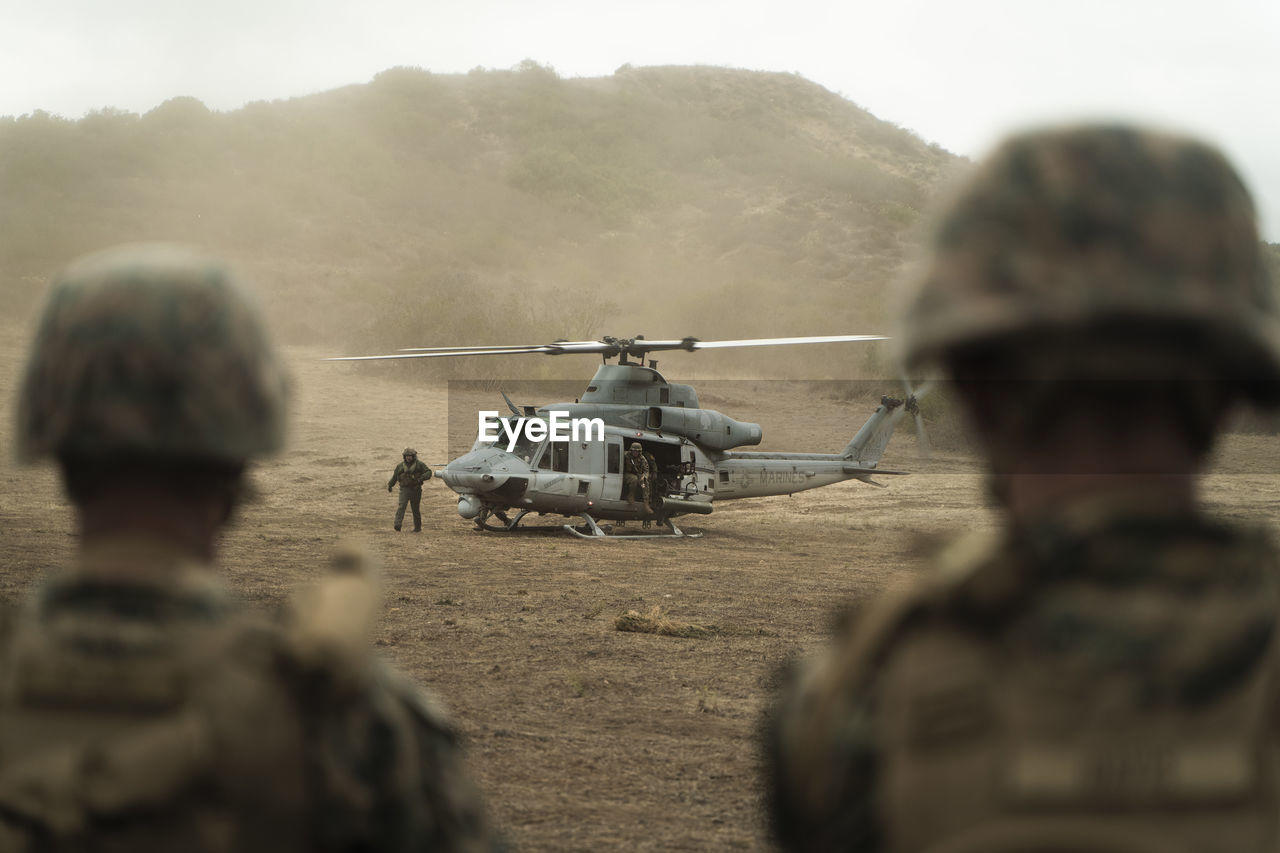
(664, 396)
(524, 448)
(614, 459)
(556, 457)
(724, 476)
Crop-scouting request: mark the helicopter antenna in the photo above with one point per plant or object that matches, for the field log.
(511, 405)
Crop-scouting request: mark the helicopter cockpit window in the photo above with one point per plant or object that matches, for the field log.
(555, 457)
(560, 456)
(523, 448)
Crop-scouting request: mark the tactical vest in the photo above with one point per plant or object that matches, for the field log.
(411, 477)
(999, 731)
(133, 735)
(635, 465)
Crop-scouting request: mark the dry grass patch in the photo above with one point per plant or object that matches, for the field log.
(655, 622)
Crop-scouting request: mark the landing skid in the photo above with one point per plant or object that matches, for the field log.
(594, 531)
(507, 525)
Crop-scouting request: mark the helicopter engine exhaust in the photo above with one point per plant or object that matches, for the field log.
(704, 426)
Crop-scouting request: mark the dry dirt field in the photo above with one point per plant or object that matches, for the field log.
(583, 737)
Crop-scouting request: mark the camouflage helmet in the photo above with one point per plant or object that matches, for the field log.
(635, 445)
(150, 351)
(409, 451)
(1065, 229)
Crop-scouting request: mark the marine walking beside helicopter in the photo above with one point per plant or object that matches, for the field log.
(690, 452)
(410, 474)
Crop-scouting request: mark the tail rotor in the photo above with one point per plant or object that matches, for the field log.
(912, 405)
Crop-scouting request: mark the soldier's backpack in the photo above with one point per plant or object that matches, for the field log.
(1125, 716)
(142, 735)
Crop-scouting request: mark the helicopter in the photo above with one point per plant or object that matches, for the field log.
(523, 464)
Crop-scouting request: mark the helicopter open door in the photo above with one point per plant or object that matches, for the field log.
(611, 485)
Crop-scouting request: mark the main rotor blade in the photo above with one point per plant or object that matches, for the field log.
(772, 342)
(478, 347)
(608, 347)
(472, 350)
(562, 348)
(648, 345)
(460, 351)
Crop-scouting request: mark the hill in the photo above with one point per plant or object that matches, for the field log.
(498, 206)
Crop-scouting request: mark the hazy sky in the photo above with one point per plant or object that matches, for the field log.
(958, 72)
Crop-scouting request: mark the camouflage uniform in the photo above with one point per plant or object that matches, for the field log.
(636, 474)
(410, 474)
(1100, 675)
(140, 708)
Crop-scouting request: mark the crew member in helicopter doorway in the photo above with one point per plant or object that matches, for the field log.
(637, 476)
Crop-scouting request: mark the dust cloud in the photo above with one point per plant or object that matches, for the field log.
(503, 206)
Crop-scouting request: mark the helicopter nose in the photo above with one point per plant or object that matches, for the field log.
(477, 472)
(471, 482)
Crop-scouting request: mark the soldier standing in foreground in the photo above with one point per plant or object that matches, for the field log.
(1101, 674)
(410, 474)
(140, 708)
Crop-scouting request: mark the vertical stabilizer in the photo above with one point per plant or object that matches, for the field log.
(868, 445)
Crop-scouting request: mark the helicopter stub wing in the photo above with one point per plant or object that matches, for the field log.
(863, 475)
(858, 469)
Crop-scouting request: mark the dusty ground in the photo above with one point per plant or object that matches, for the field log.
(584, 737)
